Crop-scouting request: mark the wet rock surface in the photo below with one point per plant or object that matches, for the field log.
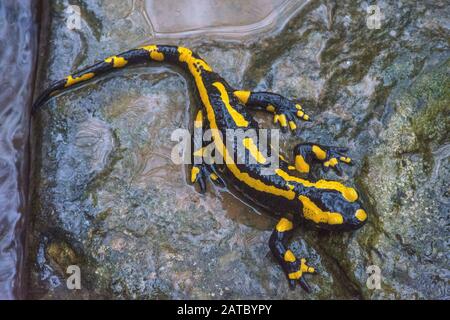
(106, 196)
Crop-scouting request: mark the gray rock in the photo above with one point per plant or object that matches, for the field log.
(107, 197)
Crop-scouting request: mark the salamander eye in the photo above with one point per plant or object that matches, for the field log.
(361, 215)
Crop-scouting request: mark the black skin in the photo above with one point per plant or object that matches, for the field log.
(281, 191)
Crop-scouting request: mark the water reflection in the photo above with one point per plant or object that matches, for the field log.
(18, 38)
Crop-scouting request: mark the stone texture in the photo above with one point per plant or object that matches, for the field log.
(107, 197)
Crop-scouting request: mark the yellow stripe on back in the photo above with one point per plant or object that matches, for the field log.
(250, 145)
(348, 193)
(312, 212)
(186, 56)
(238, 118)
(198, 123)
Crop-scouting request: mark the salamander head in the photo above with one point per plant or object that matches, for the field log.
(330, 209)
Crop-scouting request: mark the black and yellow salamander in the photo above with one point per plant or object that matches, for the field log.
(288, 190)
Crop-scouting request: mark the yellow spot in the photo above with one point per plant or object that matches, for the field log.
(301, 114)
(331, 163)
(304, 267)
(213, 176)
(242, 96)
(292, 125)
(298, 106)
(200, 152)
(276, 118)
(153, 51)
(295, 275)
(361, 215)
(270, 108)
(238, 118)
(312, 212)
(283, 120)
(319, 152)
(348, 193)
(250, 145)
(281, 157)
(291, 167)
(198, 123)
(71, 81)
(301, 165)
(284, 225)
(345, 159)
(118, 62)
(289, 256)
(194, 173)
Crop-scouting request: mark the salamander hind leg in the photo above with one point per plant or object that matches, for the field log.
(293, 267)
(306, 154)
(285, 111)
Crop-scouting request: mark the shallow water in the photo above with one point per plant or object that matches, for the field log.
(232, 19)
(18, 41)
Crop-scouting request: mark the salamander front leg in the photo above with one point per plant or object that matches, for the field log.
(285, 110)
(306, 154)
(293, 268)
(201, 170)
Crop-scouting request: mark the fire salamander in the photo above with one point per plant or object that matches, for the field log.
(292, 197)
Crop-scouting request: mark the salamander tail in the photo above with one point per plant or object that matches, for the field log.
(125, 59)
